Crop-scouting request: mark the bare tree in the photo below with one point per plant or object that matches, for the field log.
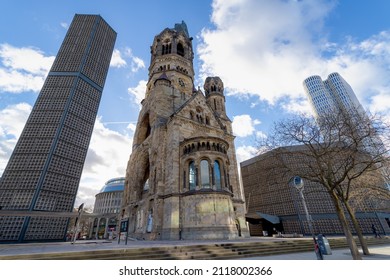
(368, 193)
(338, 151)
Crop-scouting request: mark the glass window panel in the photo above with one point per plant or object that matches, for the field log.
(192, 175)
(205, 175)
(217, 175)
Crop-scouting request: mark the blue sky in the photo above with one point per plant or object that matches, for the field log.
(261, 49)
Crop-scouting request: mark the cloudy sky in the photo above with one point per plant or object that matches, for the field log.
(261, 49)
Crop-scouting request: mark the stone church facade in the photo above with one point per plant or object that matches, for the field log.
(182, 180)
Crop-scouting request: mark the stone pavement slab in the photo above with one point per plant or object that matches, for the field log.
(378, 252)
(381, 252)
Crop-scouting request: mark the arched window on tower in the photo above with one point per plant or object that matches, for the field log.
(145, 183)
(205, 174)
(180, 49)
(192, 175)
(143, 130)
(166, 48)
(217, 175)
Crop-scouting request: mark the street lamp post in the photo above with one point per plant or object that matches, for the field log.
(297, 182)
(76, 223)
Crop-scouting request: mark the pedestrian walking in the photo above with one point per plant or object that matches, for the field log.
(375, 232)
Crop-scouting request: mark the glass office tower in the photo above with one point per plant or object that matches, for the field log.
(334, 92)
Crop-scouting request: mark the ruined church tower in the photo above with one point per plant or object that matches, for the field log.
(182, 179)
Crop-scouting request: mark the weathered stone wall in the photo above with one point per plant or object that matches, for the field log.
(174, 118)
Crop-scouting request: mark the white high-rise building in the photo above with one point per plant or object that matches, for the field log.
(336, 94)
(330, 94)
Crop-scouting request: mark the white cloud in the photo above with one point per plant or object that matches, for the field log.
(132, 127)
(23, 69)
(117, 60)
(138, 93)
(254, 54)
(245, 152)
(64, 25)
(12, 121)
(364, 65)
(299, 106)
(17, 82)
(260, 135)
(380, 103)
(136, 62)
(107, 155)
(243, 125)
(26, 59)
(251, 59)
(107, 158)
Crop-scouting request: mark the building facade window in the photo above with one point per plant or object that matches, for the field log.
(205, 165)
(205, 174)
(166, 48)
(180, 49)
(149, 225)
(217, 175)
(192, 176)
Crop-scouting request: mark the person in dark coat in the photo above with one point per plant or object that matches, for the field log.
(374, 231)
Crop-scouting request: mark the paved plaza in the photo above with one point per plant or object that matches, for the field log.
(378, 252)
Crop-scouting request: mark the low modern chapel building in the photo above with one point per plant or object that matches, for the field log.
(274, 205)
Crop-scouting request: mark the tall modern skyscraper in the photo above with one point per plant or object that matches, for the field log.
(43, 173)
(335, 93)
(330, 94)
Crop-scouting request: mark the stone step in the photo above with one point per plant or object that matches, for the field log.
(234, 250)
